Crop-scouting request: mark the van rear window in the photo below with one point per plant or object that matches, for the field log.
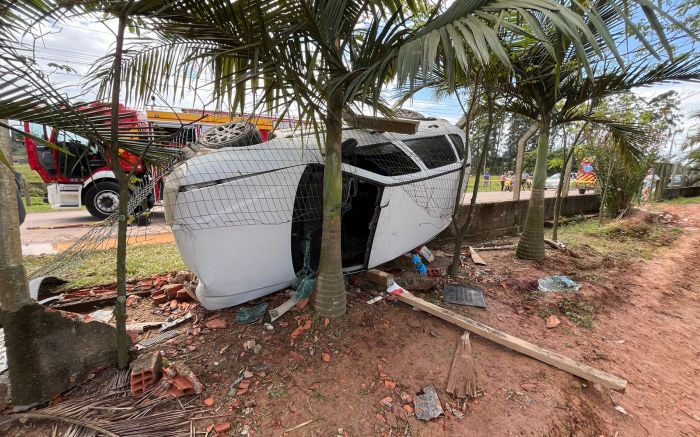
(384, 159)
(433, 151)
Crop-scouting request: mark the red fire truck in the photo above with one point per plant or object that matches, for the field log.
(85, 178)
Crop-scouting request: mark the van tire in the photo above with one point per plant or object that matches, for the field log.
(238, 134)
(102, 199)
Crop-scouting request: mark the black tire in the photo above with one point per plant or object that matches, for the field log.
(581, 191)
(102, 199)
(411, 115)
(238, 134)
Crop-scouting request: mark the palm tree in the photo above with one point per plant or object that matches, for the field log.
(538, 87)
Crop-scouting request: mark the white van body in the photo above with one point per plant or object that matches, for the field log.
(247, 219)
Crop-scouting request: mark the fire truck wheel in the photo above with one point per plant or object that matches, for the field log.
(238, 134)
(581, 191)
(102, 199)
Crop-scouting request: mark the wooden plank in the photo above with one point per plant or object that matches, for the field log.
(476, 258)
(552, 358)
(462, 382)
(555, 244)
(379, 277)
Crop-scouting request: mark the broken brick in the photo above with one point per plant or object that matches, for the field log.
(552, 321)
(300, 329)
(173, 304)
(408, 409)
(388, 401)
(222, 427)
(145, 372)
(326, 357)
(217, 323)
(296, 355)
(183, 295)
(326, 322)
(381, 418)
(171, 290)
(209, 402)
(390, 384)
(303, 303)
(159, 298)
(132, 299)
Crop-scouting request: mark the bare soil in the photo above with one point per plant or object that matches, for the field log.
(644, 326)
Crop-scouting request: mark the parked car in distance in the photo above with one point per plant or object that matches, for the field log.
(552, 182)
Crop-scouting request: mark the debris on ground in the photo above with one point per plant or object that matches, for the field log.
(418, 264)
(143, 344)
(427, 405)
(250, 315)
(426, 254)
(461, 294)
(383, 279)
(461, 381)
(216, 322)
(552, 321)
(179, 380)
(146, 371)
(555, 244)
(176, 322)
(557, 283)
(303, 326)
(476, 259)
(103, 315)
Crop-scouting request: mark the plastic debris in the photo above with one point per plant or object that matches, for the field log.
(420, 267)
(175, 322)
(249, 315)
(426, 254)
(463, 295)
(558, 283)
(427, 405)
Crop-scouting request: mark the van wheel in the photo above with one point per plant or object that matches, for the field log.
(102, 199)
(238, 134)
(581, 191)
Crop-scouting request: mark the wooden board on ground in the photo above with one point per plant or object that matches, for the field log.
(462, 382)
(559, 361)
(476, 258)
(379, 277)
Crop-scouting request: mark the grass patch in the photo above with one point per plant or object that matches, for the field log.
(277, 391)
(684, 201)
(30, 175)
(37, 205)
(141, 261)
(580, 313)
(630, 238)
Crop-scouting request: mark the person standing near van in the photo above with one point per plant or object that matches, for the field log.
(503, 180)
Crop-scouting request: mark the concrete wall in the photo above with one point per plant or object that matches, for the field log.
(672, 193)
(495, 219)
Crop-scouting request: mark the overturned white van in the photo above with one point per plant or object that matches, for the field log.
(247, 219)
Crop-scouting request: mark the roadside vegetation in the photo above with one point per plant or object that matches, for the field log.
(142, 261)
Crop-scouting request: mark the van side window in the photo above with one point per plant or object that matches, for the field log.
(459, 145)
(383, 159)
(433, 151)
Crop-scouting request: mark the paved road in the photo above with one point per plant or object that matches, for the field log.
(53, 232)
(502, 196)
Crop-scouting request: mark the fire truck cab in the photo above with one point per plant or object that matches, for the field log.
(85, 178)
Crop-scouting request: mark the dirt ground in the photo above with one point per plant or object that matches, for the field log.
(635, 318)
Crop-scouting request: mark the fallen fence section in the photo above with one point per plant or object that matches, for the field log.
(552, 358)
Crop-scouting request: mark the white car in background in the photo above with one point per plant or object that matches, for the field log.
(552, 182)
(248, 218)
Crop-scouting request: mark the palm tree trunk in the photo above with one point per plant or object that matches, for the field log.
(462, 232)
(13, 291)
(531, 244)
(519, 161)
(123, 180)
(329, 298)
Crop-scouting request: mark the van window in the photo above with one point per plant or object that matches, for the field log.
(383, 159)
(433, 151)
(459, 145)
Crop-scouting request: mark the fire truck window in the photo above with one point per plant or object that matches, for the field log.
(37, 130)
(78, 165)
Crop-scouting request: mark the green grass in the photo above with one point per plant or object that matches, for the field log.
(141, 261)
(37, 205)
(580, 313)
(618, 237)
(495, 184)
(684, 201)
(30, 175)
